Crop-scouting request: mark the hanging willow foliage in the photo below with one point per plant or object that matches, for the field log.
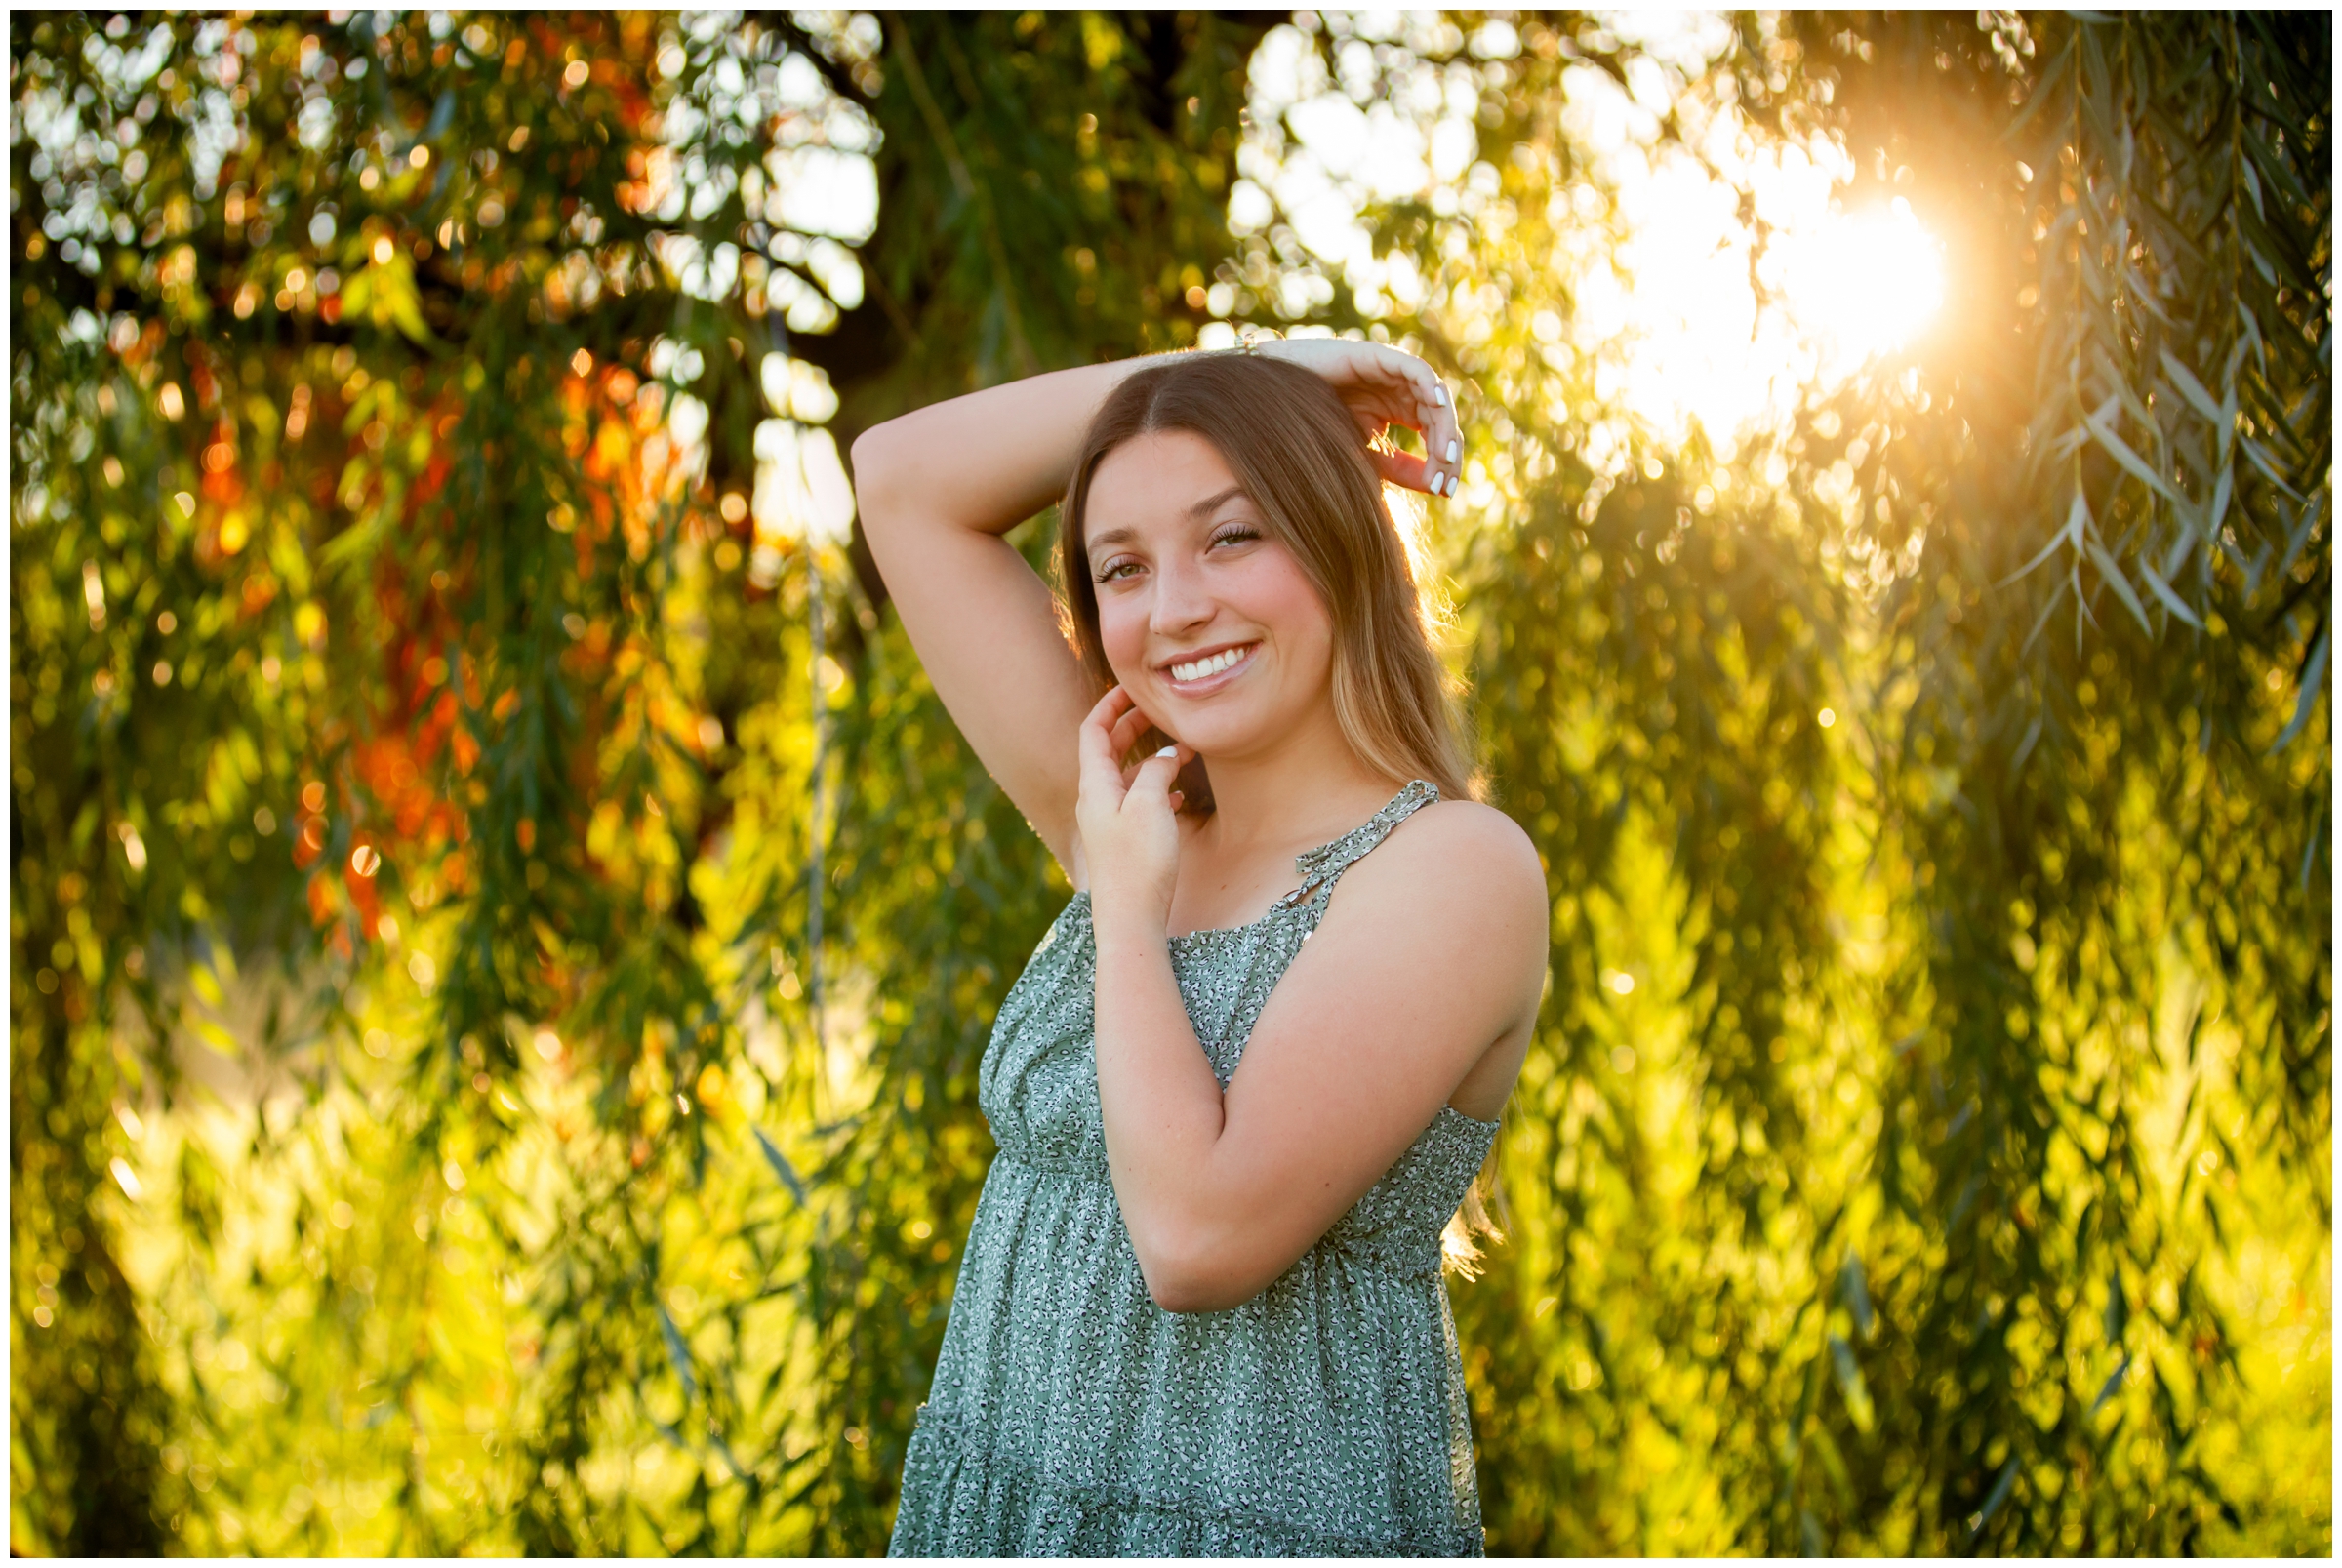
(421, 1135)
(1888, 1219)
(425, 1133)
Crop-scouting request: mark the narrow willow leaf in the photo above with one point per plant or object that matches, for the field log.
(781, 1167)
(678, 1354)
(2112, 570)
(2005, 1484)
(2224, 490)
(2199, 396)
(2312, 681)
(1856, 1289)
(2113, 1385)
(2258, 457)
(2077, 519)
(2120, 450)
(2045, 92)
(2296, 540)
(2252, 186)
(2171, 601)
(1850, 1383)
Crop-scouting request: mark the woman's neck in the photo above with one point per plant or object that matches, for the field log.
(1311, 787)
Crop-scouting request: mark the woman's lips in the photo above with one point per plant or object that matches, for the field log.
(1208, 673)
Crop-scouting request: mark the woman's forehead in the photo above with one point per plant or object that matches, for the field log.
(1165, 478)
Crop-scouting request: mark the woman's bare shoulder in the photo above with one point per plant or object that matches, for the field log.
(1463, 858)
(1489, 841)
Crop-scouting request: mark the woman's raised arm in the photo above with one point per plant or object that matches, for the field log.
(936, 491)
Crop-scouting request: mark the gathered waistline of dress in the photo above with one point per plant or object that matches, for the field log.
(1418, 1259)
(971, 1437)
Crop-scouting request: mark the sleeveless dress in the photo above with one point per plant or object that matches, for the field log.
(1071, 1416)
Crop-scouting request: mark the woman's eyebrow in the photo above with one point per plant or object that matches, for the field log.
(1203, 509)
(1212, 504)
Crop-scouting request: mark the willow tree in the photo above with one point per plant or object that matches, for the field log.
(410, 618)
(1898, 1075)
(439, 679)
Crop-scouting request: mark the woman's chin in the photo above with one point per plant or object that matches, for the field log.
(1209, 739)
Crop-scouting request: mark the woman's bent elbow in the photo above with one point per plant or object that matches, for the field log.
(1196, 1285)
(873, 459)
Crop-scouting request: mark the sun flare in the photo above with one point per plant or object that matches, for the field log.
(1868, 281)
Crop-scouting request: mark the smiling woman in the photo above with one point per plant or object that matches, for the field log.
(1286, 510)
(1200, 1310)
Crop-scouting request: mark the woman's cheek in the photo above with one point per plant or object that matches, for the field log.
(1122, 633)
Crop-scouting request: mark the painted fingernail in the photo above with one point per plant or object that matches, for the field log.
(1168, 751)
(1452, 487)
(1454, 450)
(1439, 395)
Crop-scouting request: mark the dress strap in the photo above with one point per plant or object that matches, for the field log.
(1321, 867)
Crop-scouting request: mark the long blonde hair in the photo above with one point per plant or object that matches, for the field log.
(1299, 455)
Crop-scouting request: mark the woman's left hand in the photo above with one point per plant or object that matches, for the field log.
(1128, 817)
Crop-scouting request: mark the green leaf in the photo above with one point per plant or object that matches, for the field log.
(2197, 396)
(2312, 681)
(2002, 1485)
(1850, 1383)
(2171, 600)
(678, 1354)
(1854, 1289)
(781, 1167)
(2111, 572)
(2118, 448)
(2078, 520)
(2108, 1390)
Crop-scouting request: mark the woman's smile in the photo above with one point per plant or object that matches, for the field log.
(1201, 673)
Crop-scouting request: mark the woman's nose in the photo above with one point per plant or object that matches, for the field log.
(1181, 602)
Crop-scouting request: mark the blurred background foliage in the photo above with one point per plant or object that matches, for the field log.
(501, 933)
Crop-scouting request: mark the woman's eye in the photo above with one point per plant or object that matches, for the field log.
(1114, 570)
(1236, 534)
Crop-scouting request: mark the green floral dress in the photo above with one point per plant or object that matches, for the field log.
(1071, 1416)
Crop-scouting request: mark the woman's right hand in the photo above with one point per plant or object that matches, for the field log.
(1383, 386)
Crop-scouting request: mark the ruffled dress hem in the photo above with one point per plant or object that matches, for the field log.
(983, 1502)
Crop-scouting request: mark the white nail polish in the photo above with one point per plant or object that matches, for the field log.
(1168, 751)
(1439, 395)
(1453, 451)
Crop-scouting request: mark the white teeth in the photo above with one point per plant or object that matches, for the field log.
(1199, 669)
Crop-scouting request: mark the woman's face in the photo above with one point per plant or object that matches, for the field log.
(1208, 620)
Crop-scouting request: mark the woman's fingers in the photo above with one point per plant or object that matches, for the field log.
(1100, 760)
(1384, 386)
(1409, 393)
(1402, 468)
(1154, 776)
(1127, 730)
(1442, 441)
(1112, 727)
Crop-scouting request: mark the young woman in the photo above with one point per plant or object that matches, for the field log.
(1200, 1310)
